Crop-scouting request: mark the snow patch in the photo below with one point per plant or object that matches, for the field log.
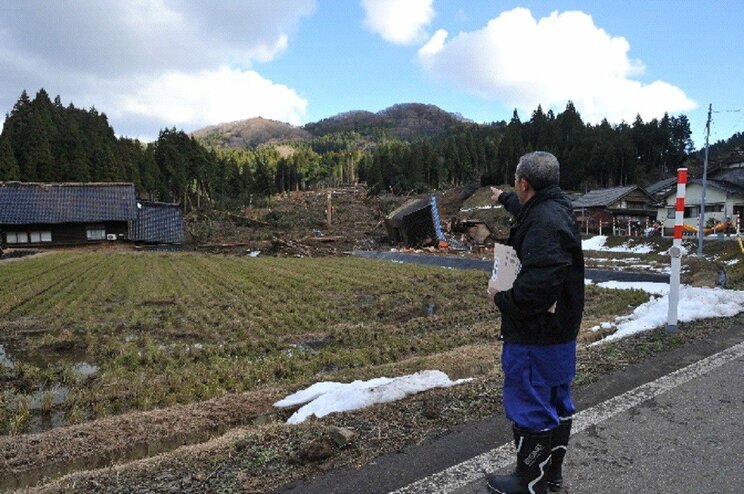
(694, 304)
(597, 243)
(324, 398)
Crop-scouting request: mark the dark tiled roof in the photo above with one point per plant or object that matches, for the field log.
(733, 175)
(31, 203)
(603, 197)
(157, 222)
(409, 207)
(727, 187)
(661, 185)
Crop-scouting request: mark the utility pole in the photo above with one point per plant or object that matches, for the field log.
(701, 225)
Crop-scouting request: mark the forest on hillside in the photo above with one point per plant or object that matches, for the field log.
(44, 141)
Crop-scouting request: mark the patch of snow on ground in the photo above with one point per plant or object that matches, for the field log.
(647, 286)
(597, 243)
(694, 304)
(477, 208)
(324, 398)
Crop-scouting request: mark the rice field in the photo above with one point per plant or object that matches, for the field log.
(87, 335)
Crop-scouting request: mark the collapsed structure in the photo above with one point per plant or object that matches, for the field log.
(416, 223)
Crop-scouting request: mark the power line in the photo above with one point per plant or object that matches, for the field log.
(725, 132)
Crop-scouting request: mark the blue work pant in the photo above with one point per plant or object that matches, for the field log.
(537, 384)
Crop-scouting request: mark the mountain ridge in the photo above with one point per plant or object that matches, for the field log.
(251, 132)
(404, 120)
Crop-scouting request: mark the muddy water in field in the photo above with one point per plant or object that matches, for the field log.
(5, 360)
(45, 402)
(11, 356)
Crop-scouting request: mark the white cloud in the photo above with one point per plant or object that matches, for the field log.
(434, 45)
(121, 57)
(193, 100)
(402, 22)
(524, 62)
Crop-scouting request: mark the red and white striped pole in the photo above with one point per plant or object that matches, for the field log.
(676, 250)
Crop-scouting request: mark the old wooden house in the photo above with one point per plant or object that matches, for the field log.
(627, 205)
(61, 214)
(724, 196)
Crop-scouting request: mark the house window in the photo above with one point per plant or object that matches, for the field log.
(714, 208)
(692, 211)
(39, 237)
(27, 237)
(95, 232)
(671, 213)
(16, 237)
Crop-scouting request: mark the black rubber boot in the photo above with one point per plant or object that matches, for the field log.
(533, 457)
(559, 445)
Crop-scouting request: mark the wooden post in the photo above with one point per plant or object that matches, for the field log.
(329, 208)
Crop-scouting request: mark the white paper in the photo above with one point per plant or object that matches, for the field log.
(506, 266)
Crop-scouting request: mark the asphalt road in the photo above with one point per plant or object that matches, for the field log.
(596, 275)
(687, 439)
(673, 423)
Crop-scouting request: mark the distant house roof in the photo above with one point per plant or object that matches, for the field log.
(728, 187)
(51, 203)
(661, 187)
(735, 158)
(605, 197)
(732, 174)
(723, 185)
(157, 222)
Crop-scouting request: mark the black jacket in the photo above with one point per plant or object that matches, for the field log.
(546, 238)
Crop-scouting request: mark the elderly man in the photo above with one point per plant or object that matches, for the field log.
(540, 318)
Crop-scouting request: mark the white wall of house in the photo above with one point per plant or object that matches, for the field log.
(719, 205)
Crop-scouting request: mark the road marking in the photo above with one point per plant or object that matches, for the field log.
(478, 467)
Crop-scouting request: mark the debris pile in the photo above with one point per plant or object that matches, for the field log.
(339, 220)
(298, 223)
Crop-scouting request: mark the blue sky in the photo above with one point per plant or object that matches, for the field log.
(163, 63)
